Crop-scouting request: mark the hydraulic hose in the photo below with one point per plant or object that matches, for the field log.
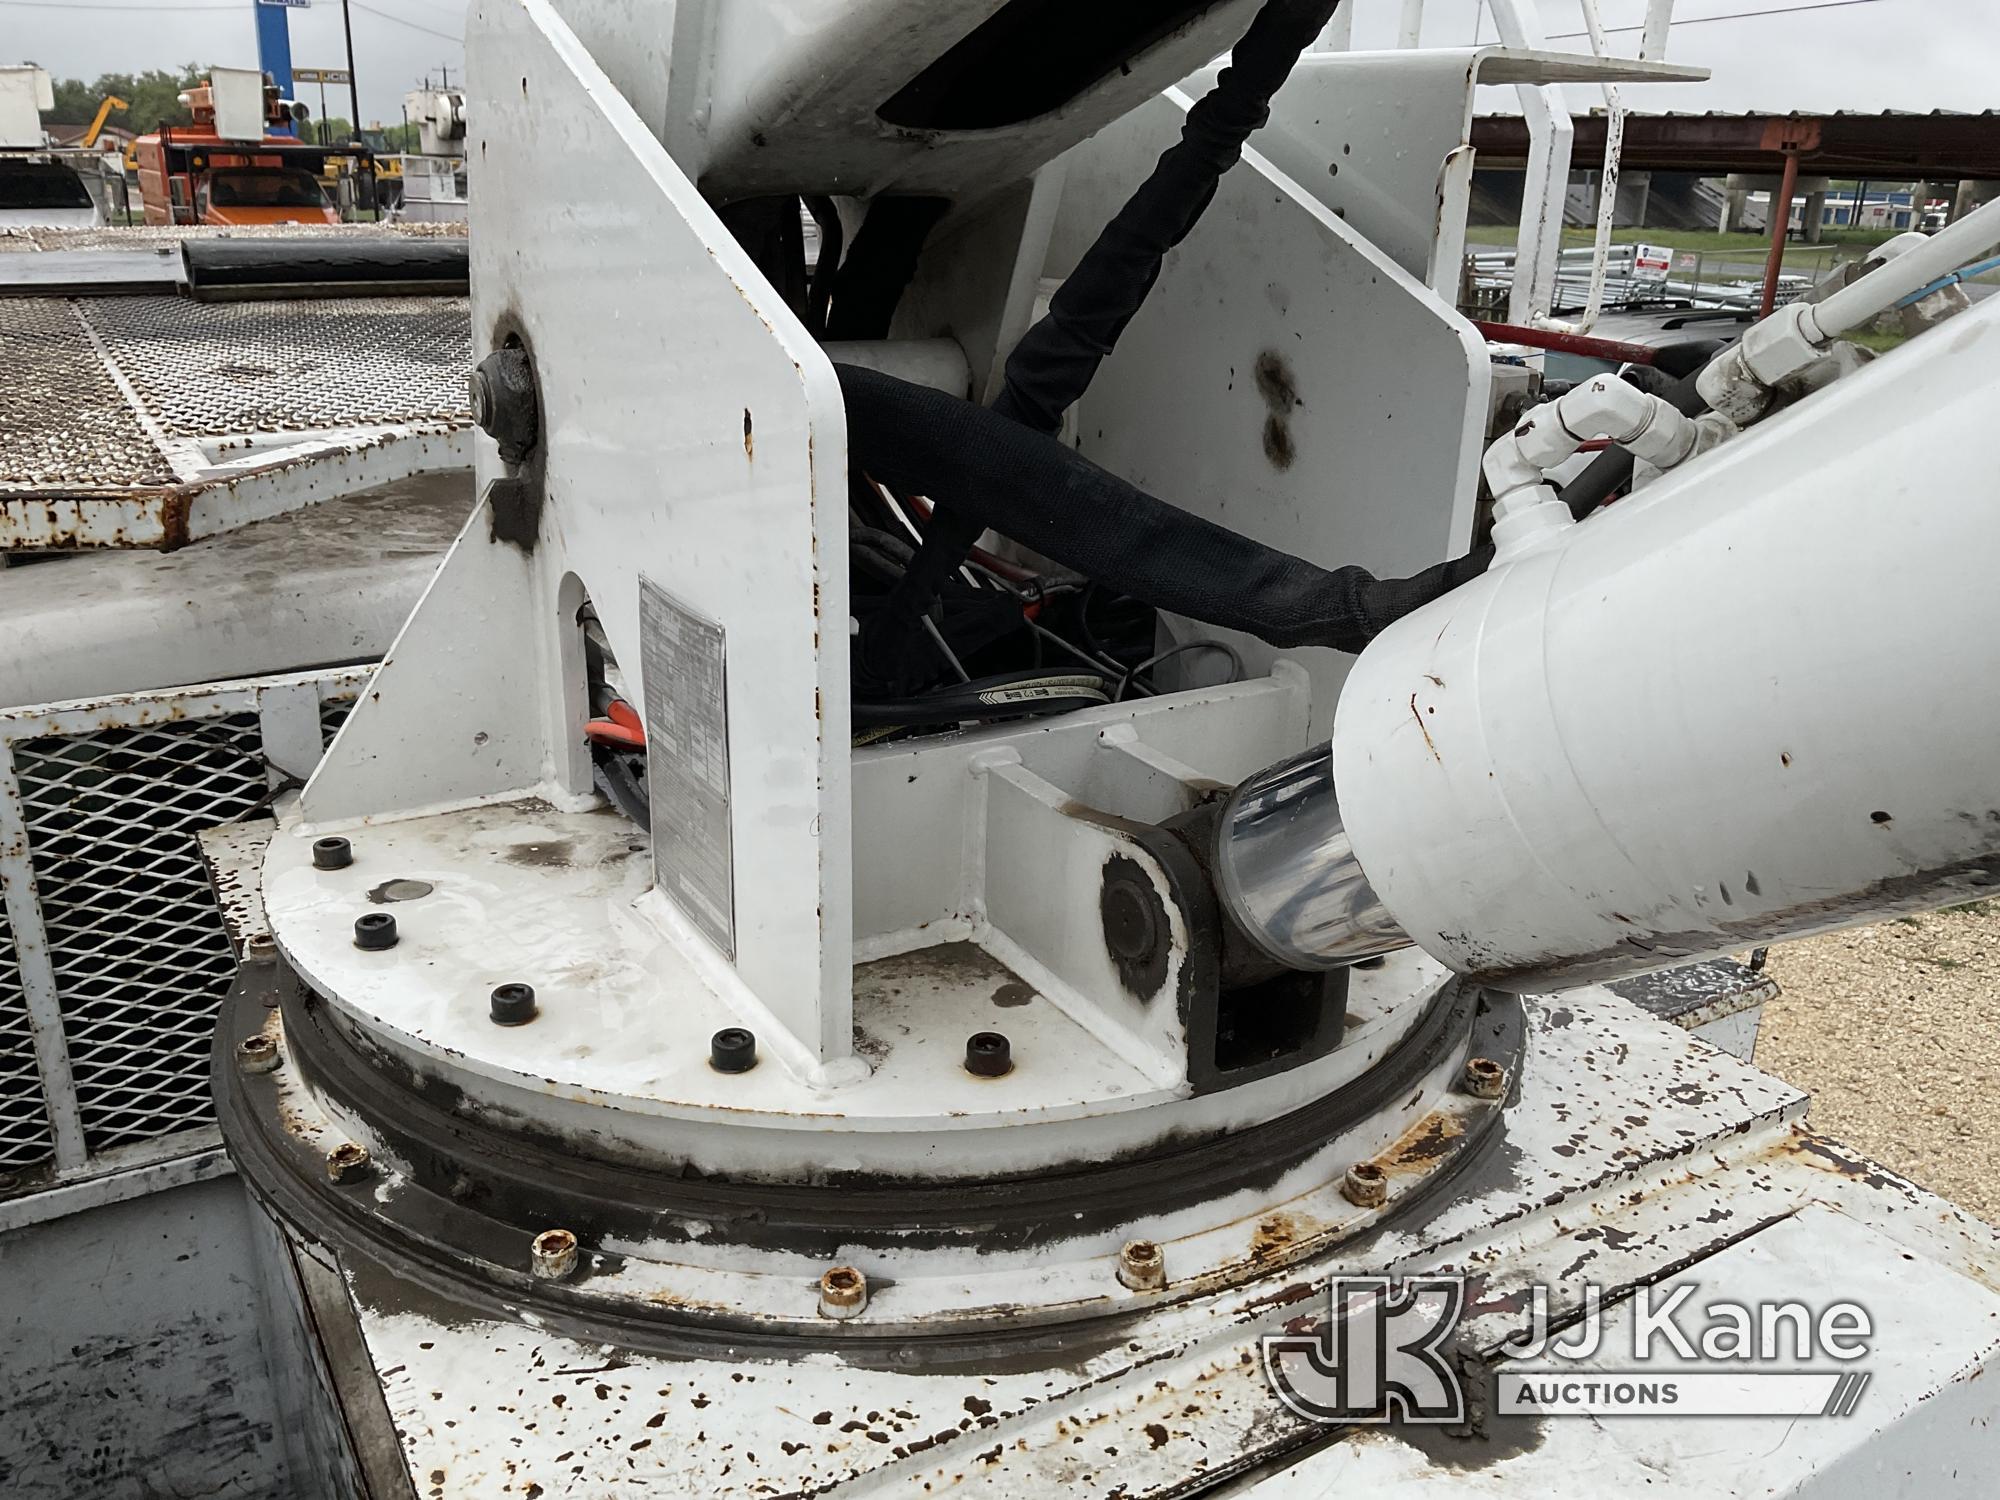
(1053, 499)
(1056, 359)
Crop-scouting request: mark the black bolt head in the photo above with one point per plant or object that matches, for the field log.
(732, 1050)
(988, 1054)
(504, 404)
(1131, 930)
(332, 854)
(513, 1004)
(375, 931)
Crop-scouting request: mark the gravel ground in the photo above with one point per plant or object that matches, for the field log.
(1895, 1030)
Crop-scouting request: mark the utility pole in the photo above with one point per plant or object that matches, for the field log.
(354, 102)
(353, 87)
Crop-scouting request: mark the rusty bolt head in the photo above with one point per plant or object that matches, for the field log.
(347, 1162)
(1366, 1185)
(553, 1254)
(258, 1054)
(1142, 1265)
(843, 1293)
(1485, 1078)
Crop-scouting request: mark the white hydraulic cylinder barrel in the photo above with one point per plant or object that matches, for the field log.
(1756, 700)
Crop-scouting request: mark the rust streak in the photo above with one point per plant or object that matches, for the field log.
(1431, 744)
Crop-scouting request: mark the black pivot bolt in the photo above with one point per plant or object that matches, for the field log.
(513, 1004)
(502, 389)
(1131, 929)
(988, 1054)
(375, 931)
(332, 854)
(732, 1050)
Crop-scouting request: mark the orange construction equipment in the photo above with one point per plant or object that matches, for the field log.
(188, 174)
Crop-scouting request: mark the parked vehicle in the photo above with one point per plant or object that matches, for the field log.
(39, 190)
(202, 174)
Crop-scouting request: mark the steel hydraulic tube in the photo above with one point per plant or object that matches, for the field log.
(1752, 702)
(1882, 288)
(1738, 382)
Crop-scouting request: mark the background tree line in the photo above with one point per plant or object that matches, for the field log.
(152, 97)
(154, 100)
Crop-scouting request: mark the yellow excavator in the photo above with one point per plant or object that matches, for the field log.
(111, 102)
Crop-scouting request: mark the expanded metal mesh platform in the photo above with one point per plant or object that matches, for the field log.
(114, 954)
(205, 368)
(64, 421)
(150, 420)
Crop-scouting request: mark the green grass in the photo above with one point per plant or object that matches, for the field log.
(1724, 254)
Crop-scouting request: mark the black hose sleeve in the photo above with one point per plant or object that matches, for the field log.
(1056, 359)
(1053, 499)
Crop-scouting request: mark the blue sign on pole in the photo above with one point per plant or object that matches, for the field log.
(274, 44)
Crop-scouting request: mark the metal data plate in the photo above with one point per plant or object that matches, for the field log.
(687, 761)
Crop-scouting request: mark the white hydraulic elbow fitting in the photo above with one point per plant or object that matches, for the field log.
(1527, 520)
(1527, 512)
(1643, 424)
(1737, 382)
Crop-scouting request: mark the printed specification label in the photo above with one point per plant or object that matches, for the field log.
(687, 761)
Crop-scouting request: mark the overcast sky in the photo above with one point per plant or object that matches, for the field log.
(396, 42)
(1874, 54)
